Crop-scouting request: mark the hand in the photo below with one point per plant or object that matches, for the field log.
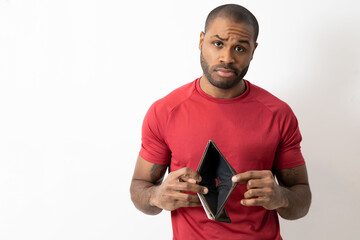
(262, 190)
(170, 194)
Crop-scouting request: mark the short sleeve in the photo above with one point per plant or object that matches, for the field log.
(153, 146)
(288, 153)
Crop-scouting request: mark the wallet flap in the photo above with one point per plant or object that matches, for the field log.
(216, 174)
(206, 207)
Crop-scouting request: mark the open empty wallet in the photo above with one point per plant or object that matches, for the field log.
(216, 174)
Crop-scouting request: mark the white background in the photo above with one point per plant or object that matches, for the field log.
(77, 77)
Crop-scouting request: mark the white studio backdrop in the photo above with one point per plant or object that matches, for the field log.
(77, 77)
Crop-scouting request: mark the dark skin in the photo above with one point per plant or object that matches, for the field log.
(150, 195)
(227, 49)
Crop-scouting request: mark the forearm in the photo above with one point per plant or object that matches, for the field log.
(297, 201)
(141, 192)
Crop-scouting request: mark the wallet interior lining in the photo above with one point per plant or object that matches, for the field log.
(216, 176)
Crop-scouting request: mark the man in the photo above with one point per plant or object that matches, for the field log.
(256, 132)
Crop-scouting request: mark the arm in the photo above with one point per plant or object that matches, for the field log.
(295, 185)
(291, 197)
(150, 195)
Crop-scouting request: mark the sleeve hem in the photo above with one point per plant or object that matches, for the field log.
(152, 159)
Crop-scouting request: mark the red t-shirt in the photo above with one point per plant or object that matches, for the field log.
(254, 131)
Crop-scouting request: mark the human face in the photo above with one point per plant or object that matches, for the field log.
(226, 51)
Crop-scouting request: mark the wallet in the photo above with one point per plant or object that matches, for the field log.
(216, 174)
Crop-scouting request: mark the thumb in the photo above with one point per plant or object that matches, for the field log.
(188, 175)
(190, 179)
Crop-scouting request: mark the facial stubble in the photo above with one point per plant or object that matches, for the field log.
(222, 84)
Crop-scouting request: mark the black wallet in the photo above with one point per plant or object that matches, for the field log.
(216, 174)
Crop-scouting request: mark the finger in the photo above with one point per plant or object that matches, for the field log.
(176, 200)
(260, 192)
(253, 202)
(173, 205)
(191, 187)
(259, 183)
(186, 178)
(246, 176)
(184, 197)
(180, 204)
(186, 173)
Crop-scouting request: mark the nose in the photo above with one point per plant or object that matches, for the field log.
(226, 56)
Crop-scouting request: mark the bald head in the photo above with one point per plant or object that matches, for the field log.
(234, 13)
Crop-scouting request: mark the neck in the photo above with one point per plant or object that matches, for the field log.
(216, 92)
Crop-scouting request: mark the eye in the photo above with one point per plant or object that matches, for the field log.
(239, 49)
(218, 44)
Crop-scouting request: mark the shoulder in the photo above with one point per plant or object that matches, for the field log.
(174, 98)
(157, 116)
(283, 115)
(160, 111)
(269, 101)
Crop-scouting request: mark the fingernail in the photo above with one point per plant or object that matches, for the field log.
(235, 179)
(206, 190)
(192, 180)
(242, 202)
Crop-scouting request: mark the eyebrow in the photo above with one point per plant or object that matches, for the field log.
(225, 39)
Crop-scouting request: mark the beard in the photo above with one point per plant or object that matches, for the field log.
(222, 83)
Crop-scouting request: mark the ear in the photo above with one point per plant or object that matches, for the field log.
(252, 55)
(202, 35)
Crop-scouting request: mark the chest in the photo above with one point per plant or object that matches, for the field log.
(247, 136)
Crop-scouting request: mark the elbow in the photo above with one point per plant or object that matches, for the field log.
(298, 207)
(132, 191)
(140, 196)
(292, 215)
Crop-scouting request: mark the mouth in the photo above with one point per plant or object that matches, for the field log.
(225, 72)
